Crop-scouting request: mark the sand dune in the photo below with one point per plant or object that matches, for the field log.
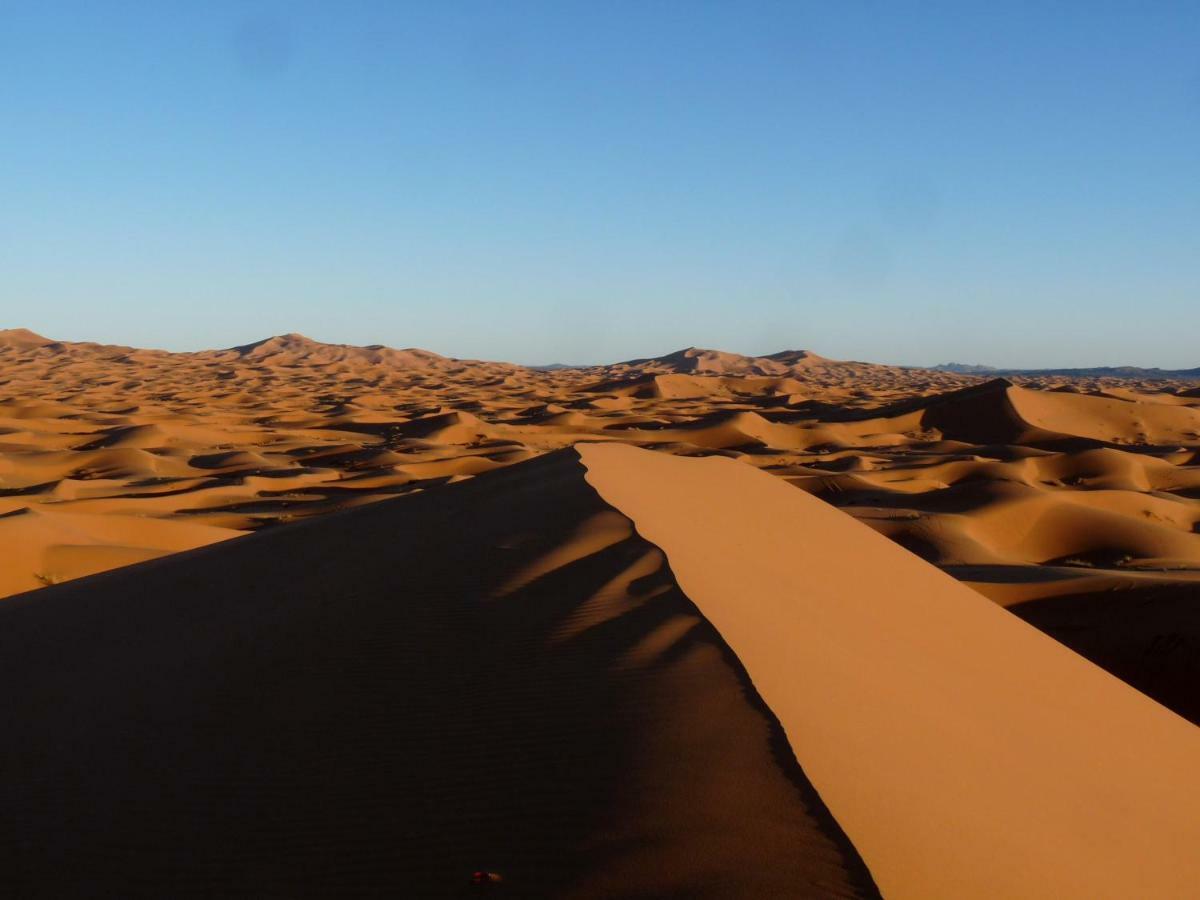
(1032, 491)
(22, 339)
(298, 350)
(499, 675)
(965, 754)
(626, 675)
(44, 546)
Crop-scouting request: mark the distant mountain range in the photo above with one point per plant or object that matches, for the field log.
(1093, 372)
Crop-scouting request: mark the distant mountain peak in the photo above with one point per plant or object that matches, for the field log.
(964, 368)
(1132, 372)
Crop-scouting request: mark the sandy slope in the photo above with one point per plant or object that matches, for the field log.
(627, 676)
(499, 675)
(58, 546)
(1075, 503)
(965, 754)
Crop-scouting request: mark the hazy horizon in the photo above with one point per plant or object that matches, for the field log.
(582, 183)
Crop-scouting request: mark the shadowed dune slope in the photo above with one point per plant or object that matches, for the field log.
(1144, 633)
(498, 675)
(964, 753)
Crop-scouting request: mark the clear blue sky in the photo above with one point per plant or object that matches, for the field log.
(1003, 182)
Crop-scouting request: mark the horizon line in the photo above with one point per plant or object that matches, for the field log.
(952, 366)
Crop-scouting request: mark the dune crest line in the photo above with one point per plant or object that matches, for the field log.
(963, 752)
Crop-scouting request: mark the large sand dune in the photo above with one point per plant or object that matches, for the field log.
(501, 676)
(965, 754)
(616, 675)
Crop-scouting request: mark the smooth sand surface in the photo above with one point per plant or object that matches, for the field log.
(964, 753)
(499, 675)
(56, 546)
(1074, 502)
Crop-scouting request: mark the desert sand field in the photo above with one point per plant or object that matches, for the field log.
(548, 655)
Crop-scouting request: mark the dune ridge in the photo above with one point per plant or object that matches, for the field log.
(500, 675)
(599, 672)
(964, 753)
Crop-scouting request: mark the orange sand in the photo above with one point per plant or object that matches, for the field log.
(965, 754)
(699, 681)
(1075, 503)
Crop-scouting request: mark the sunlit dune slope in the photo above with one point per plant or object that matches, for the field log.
(47, 547)
(965, 754)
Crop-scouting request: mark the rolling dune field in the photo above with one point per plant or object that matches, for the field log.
(559, 660)
(1074, 502)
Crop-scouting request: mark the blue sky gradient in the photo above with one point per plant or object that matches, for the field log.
(1010, 183)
